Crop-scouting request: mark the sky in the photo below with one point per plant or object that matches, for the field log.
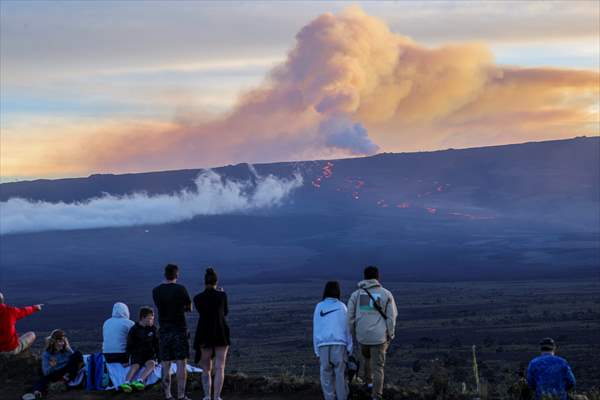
(131, 86)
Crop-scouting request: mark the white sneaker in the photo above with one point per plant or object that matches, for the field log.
(28, 396)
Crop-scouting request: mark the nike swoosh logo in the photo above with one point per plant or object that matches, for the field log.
(328, 312)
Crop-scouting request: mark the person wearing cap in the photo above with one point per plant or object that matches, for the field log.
(10, 341)
(59, 362)
(548, 374)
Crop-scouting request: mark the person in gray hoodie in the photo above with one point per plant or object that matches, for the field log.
(114, 335)
(372, 315)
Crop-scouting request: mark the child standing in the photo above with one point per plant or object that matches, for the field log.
(142, 345)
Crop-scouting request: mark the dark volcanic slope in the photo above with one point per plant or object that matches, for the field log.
(504, 212)
(561, 174)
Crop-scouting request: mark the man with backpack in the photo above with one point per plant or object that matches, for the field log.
(372, 317)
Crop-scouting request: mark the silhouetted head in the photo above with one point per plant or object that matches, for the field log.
(332, 289)
(1, 298)
(146, 316)
(210, 277)
(547, 345)
(371, 272)
(171, 272)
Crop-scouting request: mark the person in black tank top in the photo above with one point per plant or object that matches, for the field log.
(212, 334)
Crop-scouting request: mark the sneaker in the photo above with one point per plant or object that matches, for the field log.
(126, 387)
(137, 385)
(28, 396)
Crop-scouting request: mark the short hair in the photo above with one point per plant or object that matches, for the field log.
(1, 298)
(210, 277)
(332, 289)
(371, 272)
(145, 311)
(171, 272)
(547, 344)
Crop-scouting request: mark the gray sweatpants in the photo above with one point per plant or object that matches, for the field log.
(333, 360)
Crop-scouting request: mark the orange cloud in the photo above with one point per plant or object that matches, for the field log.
(350, 86)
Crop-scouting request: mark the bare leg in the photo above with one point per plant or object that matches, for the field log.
(132, 371)
(220, 357)
(181, 377)
(149, 369)
(206, 364)
(166, 379)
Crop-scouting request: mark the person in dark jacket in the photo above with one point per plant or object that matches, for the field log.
(142, 346)
(212, 334)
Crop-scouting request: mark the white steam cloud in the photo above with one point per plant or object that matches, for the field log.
(212, 195)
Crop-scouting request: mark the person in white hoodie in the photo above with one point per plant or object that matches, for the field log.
(114, 335)
(332, 342)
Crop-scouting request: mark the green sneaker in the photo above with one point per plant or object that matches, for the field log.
(126, 387)
(138, 385)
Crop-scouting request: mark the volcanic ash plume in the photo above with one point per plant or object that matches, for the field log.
(350, 86)
(212, 195)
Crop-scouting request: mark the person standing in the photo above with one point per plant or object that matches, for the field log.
(212, 334)
(332, 342)
(10, 341)
(172, 302)
(549, 375)
(372, 314)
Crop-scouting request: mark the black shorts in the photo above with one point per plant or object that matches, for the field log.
(142, 359)
(174, 343)
(121, 358)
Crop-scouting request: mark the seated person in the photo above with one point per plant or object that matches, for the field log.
(10, 342)
(142, 345)
(114, 335)
(59, 362)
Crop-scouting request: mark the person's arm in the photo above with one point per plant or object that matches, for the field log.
(315, 322)
(352, 313)
(187, 302)
(530, 377)
(130, 340)
(347, 330)
(155, 344)
(570, 377)
(23, 312)
(46, 364)
(226, 306)
(392, 314)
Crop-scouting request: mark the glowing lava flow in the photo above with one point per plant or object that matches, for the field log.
(326, 173)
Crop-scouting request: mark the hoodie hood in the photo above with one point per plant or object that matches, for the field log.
(368, 284)
(120, 310)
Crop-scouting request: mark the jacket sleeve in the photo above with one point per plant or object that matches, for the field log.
(349, 342)
(392, 314)
(23, 312)
(130, 340)
(530, 377)
(226, 306)
(570, 377)
(46, 368)
(352, 313)
(315, 321)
